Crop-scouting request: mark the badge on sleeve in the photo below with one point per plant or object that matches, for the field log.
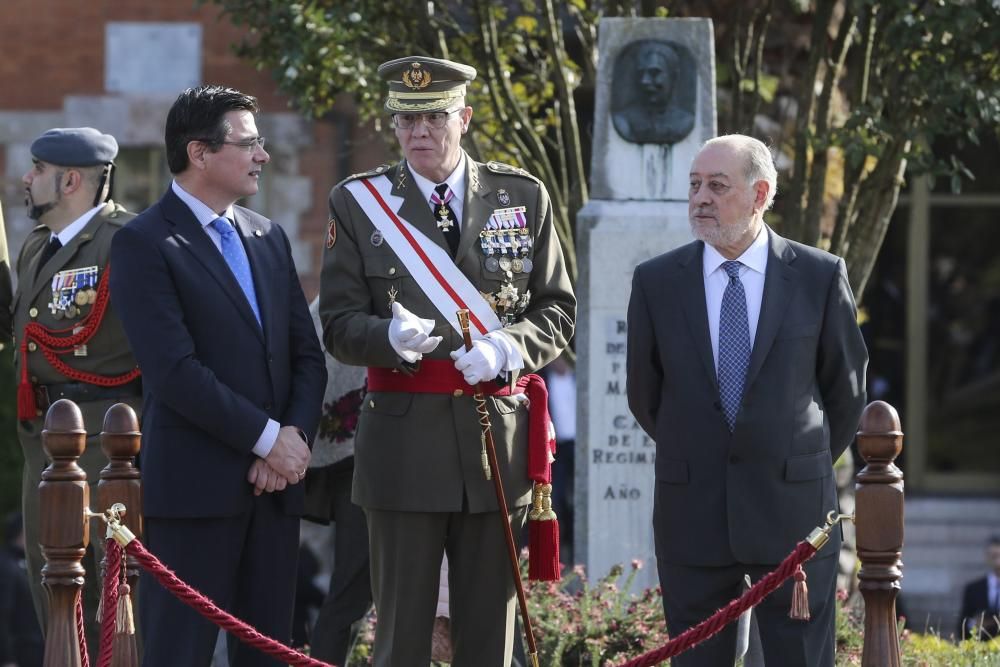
(331, 233)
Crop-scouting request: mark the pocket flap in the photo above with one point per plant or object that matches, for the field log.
(672, 471)
(386, 403)
(808, 466)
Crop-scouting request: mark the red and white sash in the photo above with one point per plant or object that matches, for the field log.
(429, 264)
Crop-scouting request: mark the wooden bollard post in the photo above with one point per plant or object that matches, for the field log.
(121, 483)
(879, 522)
(63, 531)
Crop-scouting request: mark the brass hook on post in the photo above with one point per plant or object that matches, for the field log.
(113, 518)
(821, 535)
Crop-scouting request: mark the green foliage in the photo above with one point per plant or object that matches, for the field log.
(579, 623)
(932, 651)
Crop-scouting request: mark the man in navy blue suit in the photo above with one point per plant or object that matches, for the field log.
(233, 380)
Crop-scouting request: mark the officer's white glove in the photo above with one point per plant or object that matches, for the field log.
(483, 362)
(409, 335)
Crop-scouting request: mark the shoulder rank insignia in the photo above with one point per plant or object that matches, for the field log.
(377, 171)
(501, 168)
(331, 233)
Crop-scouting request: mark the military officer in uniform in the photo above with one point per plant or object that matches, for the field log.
(69, 342)
(405, 245)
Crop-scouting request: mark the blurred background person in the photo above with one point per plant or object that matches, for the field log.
(981, 599)
(21, 643)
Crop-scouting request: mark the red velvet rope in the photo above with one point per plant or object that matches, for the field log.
(109, 601)
(710, 626)
(80, 634)
(209, 610)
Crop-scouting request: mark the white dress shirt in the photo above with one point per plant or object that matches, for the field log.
(754, 260)
(74, 228)
(205, 215)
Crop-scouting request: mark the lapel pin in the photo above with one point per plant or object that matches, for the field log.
(257, 232)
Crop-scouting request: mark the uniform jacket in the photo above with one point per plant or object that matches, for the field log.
(747, 496)
(107, 353)
(421, 452)
(211, 376)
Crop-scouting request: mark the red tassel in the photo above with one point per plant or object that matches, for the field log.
(800, 597)
(543, 536)
(543, 550)
(27, 409)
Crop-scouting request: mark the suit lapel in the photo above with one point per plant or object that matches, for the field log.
(692, 288)
(415, 209)
(476, 210)
(779, 278)
(253, 236)
(190, 235)
(62, 256)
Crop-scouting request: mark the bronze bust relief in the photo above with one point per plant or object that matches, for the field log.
(653, 93)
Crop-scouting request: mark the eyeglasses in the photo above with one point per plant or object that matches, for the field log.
(434, 120)
(247, 144)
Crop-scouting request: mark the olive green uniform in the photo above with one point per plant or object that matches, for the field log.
(418, 471)
(107, 353)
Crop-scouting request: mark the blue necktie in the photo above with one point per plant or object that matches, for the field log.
(236, 257)
(734, 343)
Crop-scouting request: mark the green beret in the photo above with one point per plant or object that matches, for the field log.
(75, 147)
(419, 84)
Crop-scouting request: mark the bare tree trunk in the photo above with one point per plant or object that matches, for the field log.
(878, 198)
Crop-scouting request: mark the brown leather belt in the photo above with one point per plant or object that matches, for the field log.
(81, 392)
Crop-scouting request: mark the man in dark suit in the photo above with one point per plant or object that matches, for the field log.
(233, 383)
(746, 365)
(981, 600)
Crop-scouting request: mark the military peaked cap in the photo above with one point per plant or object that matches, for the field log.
(419, 84)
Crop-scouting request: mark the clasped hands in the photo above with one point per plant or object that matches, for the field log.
(410, 337)
(285, 464)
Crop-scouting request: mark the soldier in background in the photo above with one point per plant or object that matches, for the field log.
(69, 342)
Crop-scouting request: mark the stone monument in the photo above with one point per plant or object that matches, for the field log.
(655, 106)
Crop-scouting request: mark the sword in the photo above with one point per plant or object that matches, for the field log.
(491, 453)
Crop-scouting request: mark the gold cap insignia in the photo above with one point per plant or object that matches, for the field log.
(416, 77)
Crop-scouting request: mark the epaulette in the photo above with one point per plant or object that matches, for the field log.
(117, 214)
(509, 169)
(377, 171)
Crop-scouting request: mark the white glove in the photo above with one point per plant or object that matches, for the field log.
(409, 334)
(483, 362)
